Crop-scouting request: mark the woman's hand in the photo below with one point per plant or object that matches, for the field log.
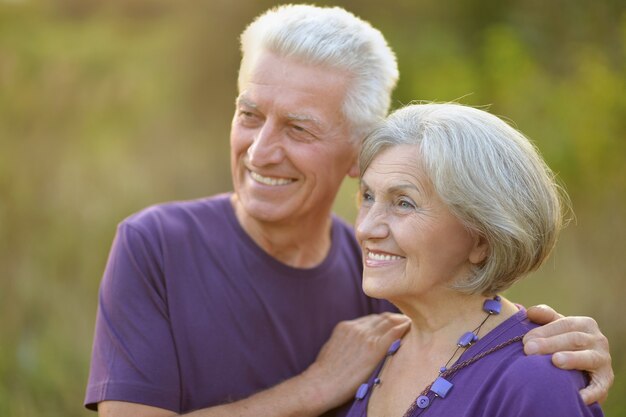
(576, 343)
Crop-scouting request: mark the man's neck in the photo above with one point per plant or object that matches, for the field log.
(299, 244)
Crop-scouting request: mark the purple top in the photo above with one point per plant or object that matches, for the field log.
(192, 313)
(503, 383)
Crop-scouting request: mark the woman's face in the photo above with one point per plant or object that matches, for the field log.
(411, 242)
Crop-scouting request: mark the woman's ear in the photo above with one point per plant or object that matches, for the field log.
(480, 250)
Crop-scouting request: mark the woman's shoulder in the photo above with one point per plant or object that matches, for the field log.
(541, 370)
(522, 385)
(534, 383)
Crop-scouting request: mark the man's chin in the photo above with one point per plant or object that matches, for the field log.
(267, 211)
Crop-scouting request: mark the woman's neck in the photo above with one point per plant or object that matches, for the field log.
(439, 322)
(431, 343)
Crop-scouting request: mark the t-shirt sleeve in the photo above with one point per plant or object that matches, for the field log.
(533, 386)
(133, 357)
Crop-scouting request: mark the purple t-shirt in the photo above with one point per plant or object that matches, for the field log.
(505, 383)
(192, 313)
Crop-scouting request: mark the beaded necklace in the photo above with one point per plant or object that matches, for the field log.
(441, 386)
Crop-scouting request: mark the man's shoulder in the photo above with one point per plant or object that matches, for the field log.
(180, 216)
(178, 221)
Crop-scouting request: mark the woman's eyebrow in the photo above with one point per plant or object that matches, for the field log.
(404, 187)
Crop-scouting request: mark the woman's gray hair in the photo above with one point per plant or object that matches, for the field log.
(490, 176)
(335, 38)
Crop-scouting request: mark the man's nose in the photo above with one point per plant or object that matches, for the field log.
(267, 146)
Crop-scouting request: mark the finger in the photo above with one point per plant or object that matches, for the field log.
(596, 391)
(601, 378)
(542, 314)
(397, 332)
(562, 326)
(572, 341)
(373, 321)
(382, 331)
(581, 360)
(591, 394)
(374, 332)
(389, 320)
(601, 381)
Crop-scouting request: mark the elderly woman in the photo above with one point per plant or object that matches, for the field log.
(456, 206)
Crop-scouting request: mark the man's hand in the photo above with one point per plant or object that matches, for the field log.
(351, 354)
(576, 343)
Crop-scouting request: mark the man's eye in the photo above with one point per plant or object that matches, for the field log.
(301, 134)
(247, 118)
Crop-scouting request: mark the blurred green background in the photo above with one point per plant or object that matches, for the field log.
(107, 107)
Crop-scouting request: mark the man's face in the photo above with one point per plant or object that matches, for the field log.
(290, 143)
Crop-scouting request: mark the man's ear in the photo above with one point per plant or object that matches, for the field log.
(480, 250)
(353, 172)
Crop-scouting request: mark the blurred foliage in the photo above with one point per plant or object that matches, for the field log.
(106, 107)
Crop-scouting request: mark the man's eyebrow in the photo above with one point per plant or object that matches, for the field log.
(243, 100)
(304, 118)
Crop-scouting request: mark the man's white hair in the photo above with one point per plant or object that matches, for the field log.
(334, 38)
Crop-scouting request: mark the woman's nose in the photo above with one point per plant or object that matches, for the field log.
(372, 223)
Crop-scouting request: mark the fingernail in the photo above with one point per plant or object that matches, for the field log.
(558, 359)
(531, 348)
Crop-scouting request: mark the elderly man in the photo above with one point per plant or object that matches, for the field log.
(249, 304)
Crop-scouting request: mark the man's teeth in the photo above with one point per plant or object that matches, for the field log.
(269, 180)
(382, 257)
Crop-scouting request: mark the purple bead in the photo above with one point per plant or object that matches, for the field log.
(467, 339)
(377, 381)
(442, 369)
(492, 306)
(394, 347)
(422, 401)
(362, 391)
(441, 386)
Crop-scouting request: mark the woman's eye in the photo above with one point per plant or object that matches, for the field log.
(367, 196)
(405, 204)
